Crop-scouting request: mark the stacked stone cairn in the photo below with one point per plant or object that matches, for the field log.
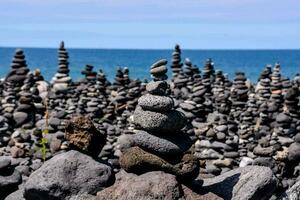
(12, 85)
(19, 70)
(176, 61)
(263, 87)
(4, 131)
(61, 79)
(90, 75)
(208, 78)
(24, 115)
(276, 86)
(158, 144)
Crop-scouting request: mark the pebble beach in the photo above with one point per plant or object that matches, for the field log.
(188, 132)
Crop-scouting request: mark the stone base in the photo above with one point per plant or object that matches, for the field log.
(135, 160)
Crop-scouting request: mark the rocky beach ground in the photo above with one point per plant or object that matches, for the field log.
(197, 135)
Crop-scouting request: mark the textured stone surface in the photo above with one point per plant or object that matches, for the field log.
(17, 195)
(151, 185)
(157, 87)
(139, 161)
(189, 194)
(66, 175)
(163, 122)
(292, 193)
(247, 183)
(83, 135)
(156, 103)
(164, 145)
(9, 181)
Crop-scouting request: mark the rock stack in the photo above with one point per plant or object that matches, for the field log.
(19, 70)
(176, 61)
(276, 86)
(239, 94)
(179, 90)
(12, 85)
(263, 87)
(158, 144)
(189, 71)
(61, 79)
(102, 83)
(24, 115)
(208, 72)
(90, 75)
(4, 131)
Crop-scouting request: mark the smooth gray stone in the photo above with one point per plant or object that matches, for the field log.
(247, 183)
(294, 152)
(4, 162)
(162, 145)
(20, 118)
(159, 63)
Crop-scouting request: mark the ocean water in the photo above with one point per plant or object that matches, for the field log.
(251, 62)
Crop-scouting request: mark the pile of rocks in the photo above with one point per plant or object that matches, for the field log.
(19, 70)
(61, 79)
(24, 115)
(158, 143)
(176, 61)
(90, 75)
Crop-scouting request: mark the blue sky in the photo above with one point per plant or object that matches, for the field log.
(194, 24)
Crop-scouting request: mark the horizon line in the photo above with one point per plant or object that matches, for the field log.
(145, 49)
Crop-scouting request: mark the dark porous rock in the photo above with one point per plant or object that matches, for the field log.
(66, 175)
(157, 87)
(139, 161)
(156, 103)
(164, 145)
(251, 182)
(154, 121)
(151, 185)
(83, 136)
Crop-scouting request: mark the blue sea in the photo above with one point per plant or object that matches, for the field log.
(251, 62)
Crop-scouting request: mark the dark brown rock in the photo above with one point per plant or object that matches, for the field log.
(83, 136)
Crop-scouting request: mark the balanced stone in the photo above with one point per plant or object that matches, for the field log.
(157, 87)
(161, 145)
(157, 121)
(156, 103)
